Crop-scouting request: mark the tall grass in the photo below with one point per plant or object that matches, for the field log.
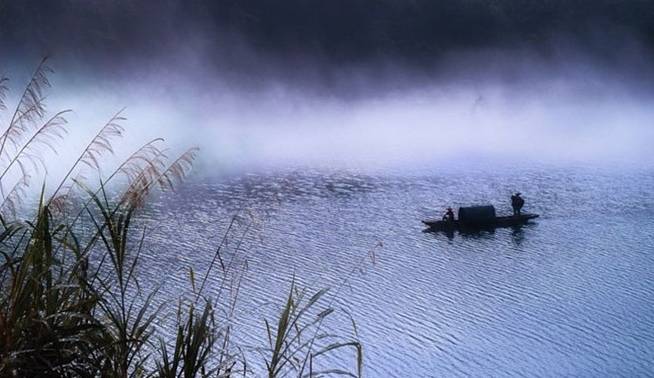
(71, 303)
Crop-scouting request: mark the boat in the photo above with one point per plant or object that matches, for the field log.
(478, 218)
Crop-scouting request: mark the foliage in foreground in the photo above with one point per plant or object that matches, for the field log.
(70, 299)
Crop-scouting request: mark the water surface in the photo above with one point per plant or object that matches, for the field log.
(571, 294)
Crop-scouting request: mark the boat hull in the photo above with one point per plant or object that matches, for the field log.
(508, 221)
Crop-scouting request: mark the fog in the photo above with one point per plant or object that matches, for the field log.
(560, 118)
(253, 96)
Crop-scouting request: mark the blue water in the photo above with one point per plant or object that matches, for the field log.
(571, 294)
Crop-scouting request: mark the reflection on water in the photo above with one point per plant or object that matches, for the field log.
(518, 234)
(571, 294)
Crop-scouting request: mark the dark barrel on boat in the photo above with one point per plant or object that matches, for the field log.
(477, 215)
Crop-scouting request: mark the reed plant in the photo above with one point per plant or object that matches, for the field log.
(71, 304)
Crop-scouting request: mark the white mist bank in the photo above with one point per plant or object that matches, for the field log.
(281, 127)
(593, 119)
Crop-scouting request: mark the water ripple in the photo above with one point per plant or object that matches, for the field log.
(572, 294)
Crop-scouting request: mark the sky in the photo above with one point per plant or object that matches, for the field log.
(350, 83)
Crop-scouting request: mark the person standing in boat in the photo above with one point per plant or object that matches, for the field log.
(517, 203)
(449, 215)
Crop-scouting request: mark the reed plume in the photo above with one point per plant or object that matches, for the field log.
(178, 170)
(54, 128)
(99, 145)
(30, 107)
(167, 179)
(15, 197)
(147, 156)
(138, 166)
(3, 91)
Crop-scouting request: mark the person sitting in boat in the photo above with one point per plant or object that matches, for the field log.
(517, 203)
(449, 215)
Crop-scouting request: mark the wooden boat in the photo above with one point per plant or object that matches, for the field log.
(478, 218)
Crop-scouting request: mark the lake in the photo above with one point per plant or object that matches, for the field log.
(571, 294)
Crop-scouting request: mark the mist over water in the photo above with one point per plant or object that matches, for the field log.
(572, 116)
(332, 85)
